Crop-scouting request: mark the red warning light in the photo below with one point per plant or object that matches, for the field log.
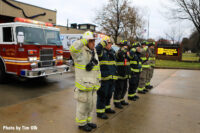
(24, 20)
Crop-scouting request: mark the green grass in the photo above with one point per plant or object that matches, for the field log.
(177, 64)
(190, 57)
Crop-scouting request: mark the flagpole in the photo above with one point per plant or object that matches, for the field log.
(148, 29)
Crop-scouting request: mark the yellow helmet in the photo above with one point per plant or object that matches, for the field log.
(107, 39)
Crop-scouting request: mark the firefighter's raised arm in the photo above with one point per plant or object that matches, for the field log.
(132, 53)
(99, 48)
(77, 46)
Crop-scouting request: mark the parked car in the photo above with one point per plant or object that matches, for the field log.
(115, 48)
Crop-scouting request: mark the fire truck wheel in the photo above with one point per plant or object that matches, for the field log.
(2, 72)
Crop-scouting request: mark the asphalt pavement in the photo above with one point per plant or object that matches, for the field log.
(48, 106)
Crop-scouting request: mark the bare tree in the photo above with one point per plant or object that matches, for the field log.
(175, 35)
(111, 16)
(119, 18)
(188, 10)
(132, 24)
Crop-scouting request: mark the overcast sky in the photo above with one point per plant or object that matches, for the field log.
(83, 11)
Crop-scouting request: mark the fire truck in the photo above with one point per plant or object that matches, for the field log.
(30, 49)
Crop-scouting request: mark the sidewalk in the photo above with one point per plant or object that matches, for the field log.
(173, 106)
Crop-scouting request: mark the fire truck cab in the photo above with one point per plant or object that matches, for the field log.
(30, 49)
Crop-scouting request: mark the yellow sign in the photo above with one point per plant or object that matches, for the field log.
(164, 51)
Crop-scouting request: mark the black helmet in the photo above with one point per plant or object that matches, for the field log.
(124, 43)
(136, 44)
(151, 44)
(144, 43)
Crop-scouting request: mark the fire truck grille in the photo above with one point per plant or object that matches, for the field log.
(46, 58)
(46, 64)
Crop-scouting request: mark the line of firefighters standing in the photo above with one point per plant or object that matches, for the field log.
(100, 70)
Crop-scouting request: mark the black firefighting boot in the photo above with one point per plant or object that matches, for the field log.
(92, 125)
(124, 103)
(110, 111)
(142, 92)
(145, 90)
(147, 87)
(118, 105)
(136, 97)
(132, 98)
(85, 128)
(102, 115)
(150, 86)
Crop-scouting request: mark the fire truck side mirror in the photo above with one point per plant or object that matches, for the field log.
(20, 37)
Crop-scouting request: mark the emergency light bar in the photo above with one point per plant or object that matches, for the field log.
(32, 21)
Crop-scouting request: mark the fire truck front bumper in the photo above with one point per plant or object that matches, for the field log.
(41, 72)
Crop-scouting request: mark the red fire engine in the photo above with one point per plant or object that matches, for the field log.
(30, 49)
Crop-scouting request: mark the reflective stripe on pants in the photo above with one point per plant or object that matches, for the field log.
(104, 95)
(84, 106)
(143, 78)
(133, 84)
(120, 90)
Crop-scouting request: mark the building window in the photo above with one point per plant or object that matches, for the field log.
(92, 27)
(7, 34)
(82, 27)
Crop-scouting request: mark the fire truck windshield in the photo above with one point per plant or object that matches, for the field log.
(52, 37)
(39, 36)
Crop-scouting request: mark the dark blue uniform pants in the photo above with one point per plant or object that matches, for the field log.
(133, 83)
(104, 94)
(120, 90)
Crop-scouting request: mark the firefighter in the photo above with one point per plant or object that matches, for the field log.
(152, 64)
(108, 76)
(123, 74)
(136, 68)
(86, 63)
(145, 66)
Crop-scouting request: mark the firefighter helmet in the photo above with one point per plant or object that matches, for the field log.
(88, 35)
(124, 43)
(107, 39)
(136, 44)
(144, 43)
(151, 44)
